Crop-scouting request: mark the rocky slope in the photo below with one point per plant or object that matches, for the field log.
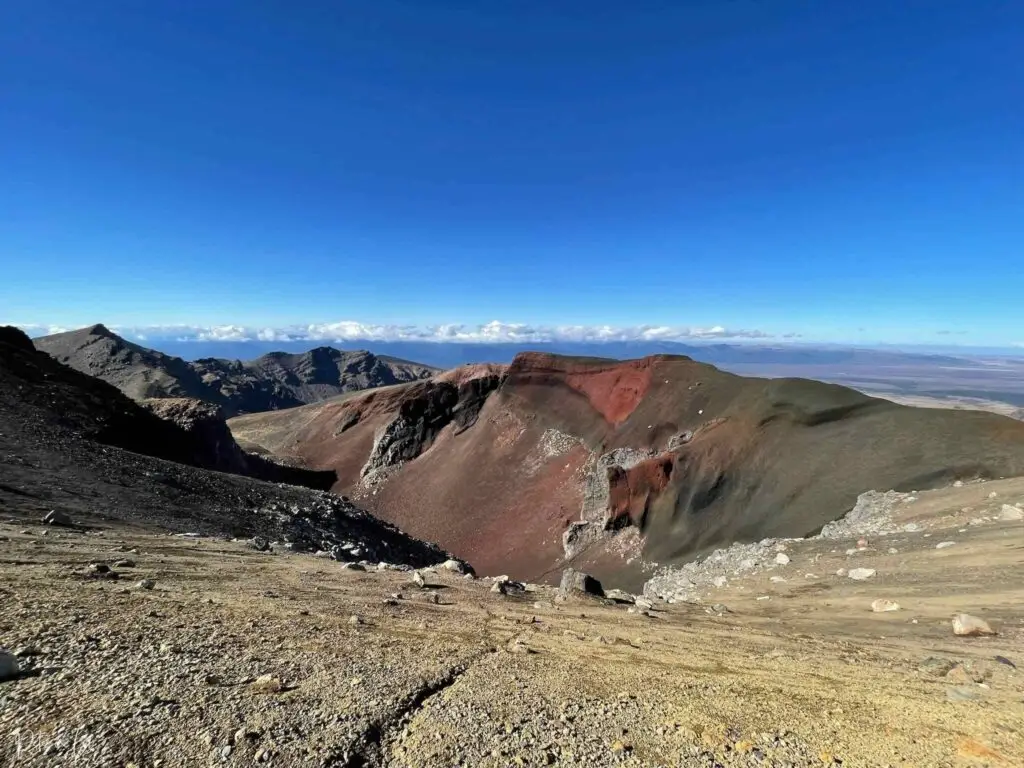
(273, 381)
(622, 466)
(75, 444)
(237, 657)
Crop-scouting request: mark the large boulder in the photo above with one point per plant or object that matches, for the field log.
(577, 582)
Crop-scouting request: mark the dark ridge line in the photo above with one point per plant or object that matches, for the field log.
(370, 753)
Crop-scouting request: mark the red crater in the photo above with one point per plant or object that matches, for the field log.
(614, 389)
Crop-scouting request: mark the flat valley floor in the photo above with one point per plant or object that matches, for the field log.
(236, 657)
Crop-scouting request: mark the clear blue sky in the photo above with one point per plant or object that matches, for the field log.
(842, 170)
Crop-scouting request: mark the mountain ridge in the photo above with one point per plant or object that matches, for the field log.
(270, 382)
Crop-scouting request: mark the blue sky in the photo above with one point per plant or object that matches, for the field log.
(838, 171)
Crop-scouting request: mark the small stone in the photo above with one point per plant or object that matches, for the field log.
(911, 528)
(146, 584)
(893, 551)
(355, 620)
(498, 588)
(841, 572)
(966, 625)
(1011, 514)
(993, 495)
(418, 580)
(719, 608)
(862, 543)
(782, 559)
(455, 566)
(53, 517)
(1006, 661)
(958, 484)
(621, 747)
(944, 544)
(643, 604)
(860, 574)
(720, 581)
(124, 564)
(10, 667)
(933, 665)
(353, 567)
(884, 606)
(619, 596)
(963, 693)
(225, 751)
(777, 580)
(99, 568)
(258, 543)
(268, 684)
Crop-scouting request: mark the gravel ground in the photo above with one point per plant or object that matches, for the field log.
(236, 657)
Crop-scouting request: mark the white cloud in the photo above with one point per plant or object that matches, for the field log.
(494, 332)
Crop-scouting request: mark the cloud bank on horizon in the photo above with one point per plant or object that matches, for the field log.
(494, 332)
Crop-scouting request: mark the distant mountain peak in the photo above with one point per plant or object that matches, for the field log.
(271, 382)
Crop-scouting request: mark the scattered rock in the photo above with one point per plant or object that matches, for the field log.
(124, 564)
(966, 625)
(53, 517)
(720, 581)
(146, 584)
(944, 544)
(883, 605)
(860, 574)
(576, 582)
(782, 559)
(259, 543)
(353, 567)
(355, 620)
(418, 580)
(498, 588)
(643, 604)
(1006, 661)
(99, 568)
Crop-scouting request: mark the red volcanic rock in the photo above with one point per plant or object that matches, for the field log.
(631, 490)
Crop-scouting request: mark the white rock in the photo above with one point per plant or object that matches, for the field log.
(9, 665)
(958, 484)
(765, 597)
(719, 581)
(453, 565)
(777, 580)
(417, 579)
(944, 544)
(911, 527)
(810, 576)
(893, 551)
(860, 574)
(883, 606)
(841, 572)
(146, 584)
(782, 559)
(993, 495)
(1011, 513)
(966, 625)
(643, 604)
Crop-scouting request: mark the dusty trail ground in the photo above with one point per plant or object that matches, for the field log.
(119, 675)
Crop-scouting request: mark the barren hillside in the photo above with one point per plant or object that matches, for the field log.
(622, 464)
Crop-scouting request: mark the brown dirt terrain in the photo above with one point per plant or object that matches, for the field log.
(118, 675)
(734, 459)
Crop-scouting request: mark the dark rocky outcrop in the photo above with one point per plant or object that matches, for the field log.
(73, 447)
(215, 448)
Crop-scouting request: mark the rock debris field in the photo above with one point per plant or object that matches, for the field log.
(131, 647)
